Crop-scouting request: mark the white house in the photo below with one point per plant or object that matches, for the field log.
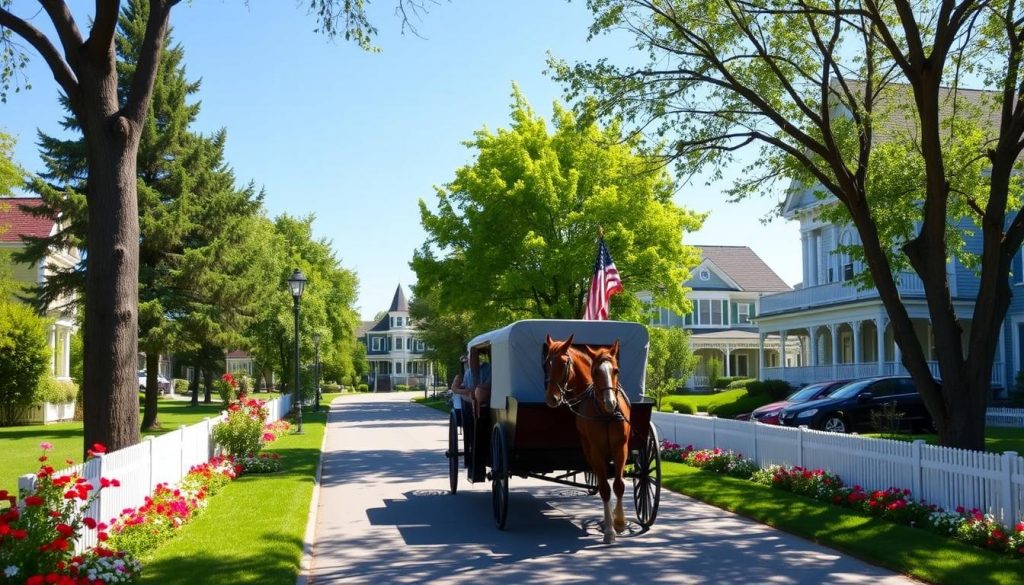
(393, 348)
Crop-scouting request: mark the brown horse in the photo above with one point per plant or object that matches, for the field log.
(588, 383)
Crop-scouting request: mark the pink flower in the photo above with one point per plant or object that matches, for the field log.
(46, 445)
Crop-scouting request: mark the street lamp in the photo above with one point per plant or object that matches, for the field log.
(296, 284)
(316, 370)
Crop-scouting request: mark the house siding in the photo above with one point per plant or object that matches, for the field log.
(715, 282)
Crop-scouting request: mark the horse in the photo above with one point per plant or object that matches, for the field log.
(588, 385)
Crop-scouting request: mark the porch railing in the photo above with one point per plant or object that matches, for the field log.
(836, 292)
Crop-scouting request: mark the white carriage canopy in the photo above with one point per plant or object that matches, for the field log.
(516, 354)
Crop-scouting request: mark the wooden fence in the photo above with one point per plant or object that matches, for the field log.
(947, 477)
(1005, 417)
(140, 468)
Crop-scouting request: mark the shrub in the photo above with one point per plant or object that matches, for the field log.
(724, 382)
(363, 388)
(719, 461)
(180, 386)
(401, 387)
(55, 391)
(331, 387)
(738, 383)
(774, 389)
(227, 388)
(245, 385)
(24, 358)
(742, 405)
(714, 370)
(262, 463)
(686, 408)
(666, 408)
(240, 431)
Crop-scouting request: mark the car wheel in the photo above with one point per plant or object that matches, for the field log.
(834, 423)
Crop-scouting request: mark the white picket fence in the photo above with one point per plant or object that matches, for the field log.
(993, 482)
(1005, 417)
(140, 468)
(49, 412)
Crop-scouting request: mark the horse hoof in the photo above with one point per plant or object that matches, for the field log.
(620, 527)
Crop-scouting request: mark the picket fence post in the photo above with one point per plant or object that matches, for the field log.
(152, 463)
(800, 445)
(1009, 502)
(917, 471)
(753, 455)
(209, 437)
(26, 483)
(181, 452)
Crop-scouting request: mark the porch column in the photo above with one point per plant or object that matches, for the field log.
(760, 356)
(53, 350)
(782, 350)
(857, 353)
(806, 250)
(880, 344)
(833, 328)
(813, 346)
(728, 354)
(67, 352)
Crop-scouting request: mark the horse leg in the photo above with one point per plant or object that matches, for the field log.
(620, 453)
(599, 466)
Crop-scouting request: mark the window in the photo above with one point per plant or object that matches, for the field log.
(709, 312)
(398, 321)
(848, 271)
(408, 343)
(375, 344)
(190, 373)
(398, 367)
(397, 345)
(743, 313)
(716, 313)
(419, 345)
(392, 321)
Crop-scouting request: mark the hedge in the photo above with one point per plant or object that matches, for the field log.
(774, 389)
(55, 391)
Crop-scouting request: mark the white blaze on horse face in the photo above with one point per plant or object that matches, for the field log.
(604, 382)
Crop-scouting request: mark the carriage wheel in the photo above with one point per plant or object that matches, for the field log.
(453, 452)
(647, 480)
(499, 476)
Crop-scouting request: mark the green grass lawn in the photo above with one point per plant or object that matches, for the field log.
(20, 452)
(914, 552)
(997, 439)
(435, 403)
(252, 530)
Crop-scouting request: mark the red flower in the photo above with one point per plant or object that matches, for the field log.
(65, 530)
(35, 580)
(33, 501)
(89, 522)
(19, 534)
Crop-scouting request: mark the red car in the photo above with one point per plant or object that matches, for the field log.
(769, 413)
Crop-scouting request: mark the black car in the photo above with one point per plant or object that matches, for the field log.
(849, 408)
(769, 413)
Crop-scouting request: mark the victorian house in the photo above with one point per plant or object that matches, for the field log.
(726, 290)
(841, 331)
(15, 223)
(393, 350)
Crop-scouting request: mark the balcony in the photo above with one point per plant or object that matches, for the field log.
(799, 376)
(909, 285)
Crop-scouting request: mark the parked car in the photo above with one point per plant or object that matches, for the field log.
(849, 408)
(162, 383)
(769, 413)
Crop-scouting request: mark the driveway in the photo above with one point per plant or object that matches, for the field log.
(385, 516)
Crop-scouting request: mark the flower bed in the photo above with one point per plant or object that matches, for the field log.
(893, 504)
(37, 540)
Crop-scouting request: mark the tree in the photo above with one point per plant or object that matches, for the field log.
(542, 196)
(326, 304)
(670, 362)
(112, 115)
(814, 85)
(181, 176)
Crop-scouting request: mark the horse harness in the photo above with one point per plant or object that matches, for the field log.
(589, 394)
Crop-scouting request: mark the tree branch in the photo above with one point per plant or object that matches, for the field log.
(101, 39)
(149, 60)
(67, 30)
(61, 71)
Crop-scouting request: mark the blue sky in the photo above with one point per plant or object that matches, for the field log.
(359, 138)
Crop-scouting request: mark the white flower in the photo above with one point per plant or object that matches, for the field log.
(10, 571)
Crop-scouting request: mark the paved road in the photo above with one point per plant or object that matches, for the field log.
(385, 516)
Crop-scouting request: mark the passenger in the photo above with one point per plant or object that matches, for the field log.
(482, 390)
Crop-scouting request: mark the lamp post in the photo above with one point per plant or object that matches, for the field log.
(296, 284)
(316, 370)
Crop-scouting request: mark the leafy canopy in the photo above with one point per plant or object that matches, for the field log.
(513, 235)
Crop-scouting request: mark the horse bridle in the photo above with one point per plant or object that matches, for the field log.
(563, 387)
(590, 392)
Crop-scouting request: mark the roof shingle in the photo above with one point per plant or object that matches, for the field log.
(16, 222)
(745, 268)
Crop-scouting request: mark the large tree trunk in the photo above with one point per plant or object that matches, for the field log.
(208, 385)
(193, 386)
(110, 381)
(149, 413)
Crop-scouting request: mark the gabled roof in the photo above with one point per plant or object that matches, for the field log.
(239, 354)
(364, 326)
(399, 303)
(383, 325)
(742, 266)
(16, 222)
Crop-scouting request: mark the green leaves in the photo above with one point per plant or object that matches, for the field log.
(514, 234)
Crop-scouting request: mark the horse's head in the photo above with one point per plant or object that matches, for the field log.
(604, 367)
(560, 370)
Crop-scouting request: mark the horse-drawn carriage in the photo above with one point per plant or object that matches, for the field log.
(521, 432)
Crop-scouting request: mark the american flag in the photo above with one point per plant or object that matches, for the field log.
(603, 285)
